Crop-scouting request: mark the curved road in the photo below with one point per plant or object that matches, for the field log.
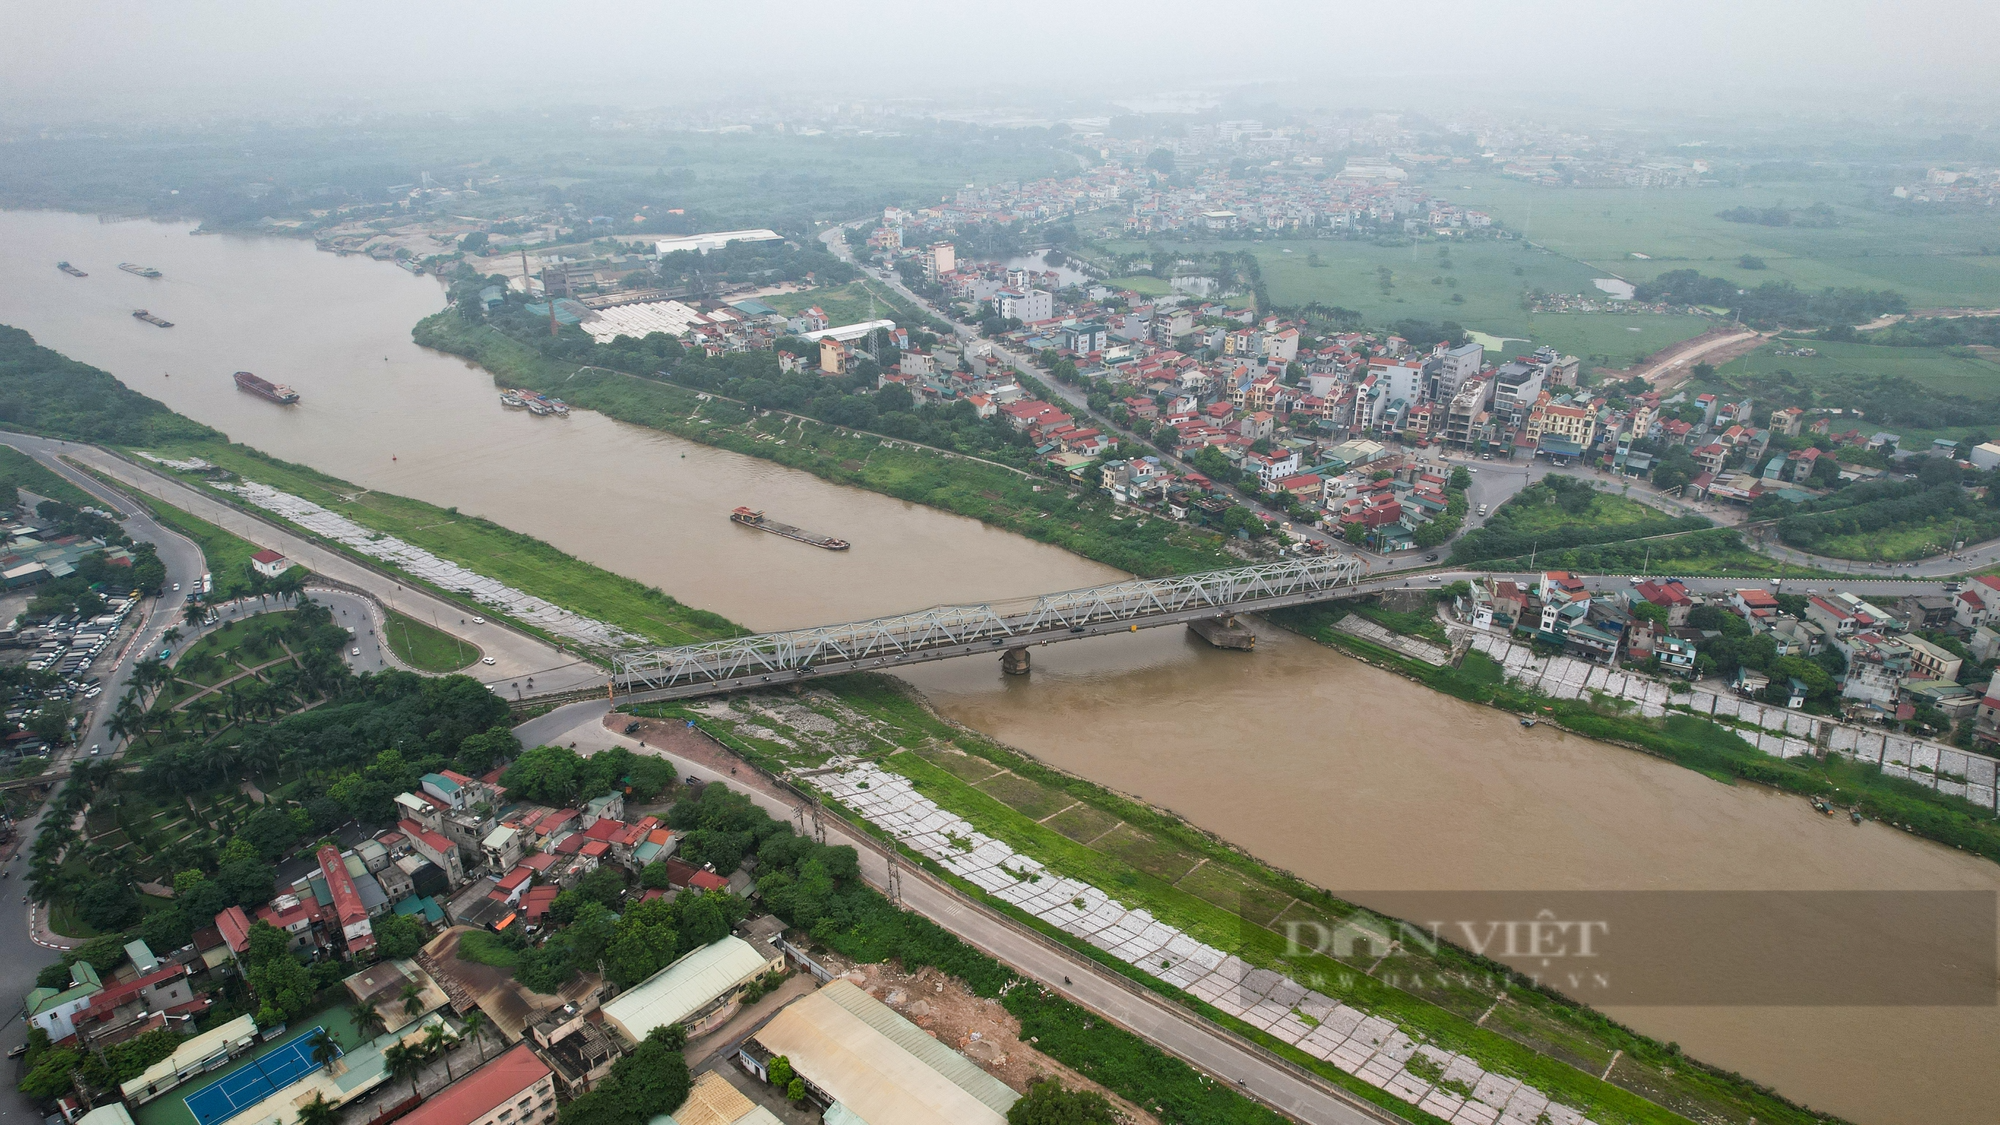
(517, 656)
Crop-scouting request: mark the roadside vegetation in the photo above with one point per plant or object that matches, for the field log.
(19, 471)
(1146, 858)
(1890, 519)
(521, 561)
(424, 648)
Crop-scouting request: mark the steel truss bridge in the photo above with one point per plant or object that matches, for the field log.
(960, 630)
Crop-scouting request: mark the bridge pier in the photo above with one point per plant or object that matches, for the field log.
(1224, 632)
(1014, 662)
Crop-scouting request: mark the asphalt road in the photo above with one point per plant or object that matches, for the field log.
(517, 656)
(1202, 1044)
(20, 957)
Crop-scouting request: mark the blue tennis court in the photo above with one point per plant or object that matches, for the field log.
(256, 1080)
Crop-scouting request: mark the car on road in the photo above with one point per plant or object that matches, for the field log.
(177, 587)
(479, 621)
(1486, 457)
(95, 749)
(486, 660)
(355, 652)
(1432, 557)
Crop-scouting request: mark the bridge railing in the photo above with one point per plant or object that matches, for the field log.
(800, 650)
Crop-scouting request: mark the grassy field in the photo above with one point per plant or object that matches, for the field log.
(1426, 278)
(228, 652)
(1930, 257)
(845, 304)
(21, 471)
(427, 649)
(1194, 882)
(520, 561)
(1142, 285)
(1966, 373)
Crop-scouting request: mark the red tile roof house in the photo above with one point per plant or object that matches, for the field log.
(346, 910)
(515, 1088)
(134, 1007)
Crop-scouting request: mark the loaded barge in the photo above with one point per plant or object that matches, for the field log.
(142, 271)
(264, 388)
(70, 270)
(749, 518)
(149, 318)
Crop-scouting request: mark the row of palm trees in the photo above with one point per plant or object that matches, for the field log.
(402, 1060)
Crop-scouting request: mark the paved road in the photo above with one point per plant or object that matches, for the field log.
(20, 956)
(517, 656)
(1204, 1045)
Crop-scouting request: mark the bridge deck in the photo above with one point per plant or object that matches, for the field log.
(949, 631)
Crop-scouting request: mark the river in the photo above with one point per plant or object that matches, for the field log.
(1351, 777)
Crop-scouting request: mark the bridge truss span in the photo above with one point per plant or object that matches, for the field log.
(957, 630)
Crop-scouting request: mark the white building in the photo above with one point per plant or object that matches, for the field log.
(716, 240)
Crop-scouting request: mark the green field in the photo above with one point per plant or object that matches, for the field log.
(1483, 273)
(1142, 285)
(424, 648)
(1931, 257)
(845, 304)
(1964, 374)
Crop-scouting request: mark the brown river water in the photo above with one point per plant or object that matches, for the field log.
(1355, 779)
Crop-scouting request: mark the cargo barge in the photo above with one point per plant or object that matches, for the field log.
(149, 318)
(264, 388)
(142, 271)
(749, 518)
(70, 270)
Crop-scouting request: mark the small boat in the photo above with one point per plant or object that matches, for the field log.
(558, 407)
(512, 400)
(1529, 721)
(1854, 815)
(70, 270)
(149, 318)
(537, 407)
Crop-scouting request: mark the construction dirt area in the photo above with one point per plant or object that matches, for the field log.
(978, 1028)
(1669, 367)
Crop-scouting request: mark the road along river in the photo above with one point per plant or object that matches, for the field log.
(1353, 778)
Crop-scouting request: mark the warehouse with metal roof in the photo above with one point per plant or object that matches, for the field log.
(862, 1061)
(695, 991)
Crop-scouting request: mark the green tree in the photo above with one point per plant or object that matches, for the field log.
(398, 936)
(318, 1111)
(50, 1076)
(548, 774)
(1049, 1102)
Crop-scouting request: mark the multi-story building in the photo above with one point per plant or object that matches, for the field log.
(1448, 369)
(1466, 420)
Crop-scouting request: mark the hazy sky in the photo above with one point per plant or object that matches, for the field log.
(82, 58)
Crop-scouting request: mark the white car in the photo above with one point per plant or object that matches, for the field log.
(486, 660)
(479, 621)
(356, 652)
